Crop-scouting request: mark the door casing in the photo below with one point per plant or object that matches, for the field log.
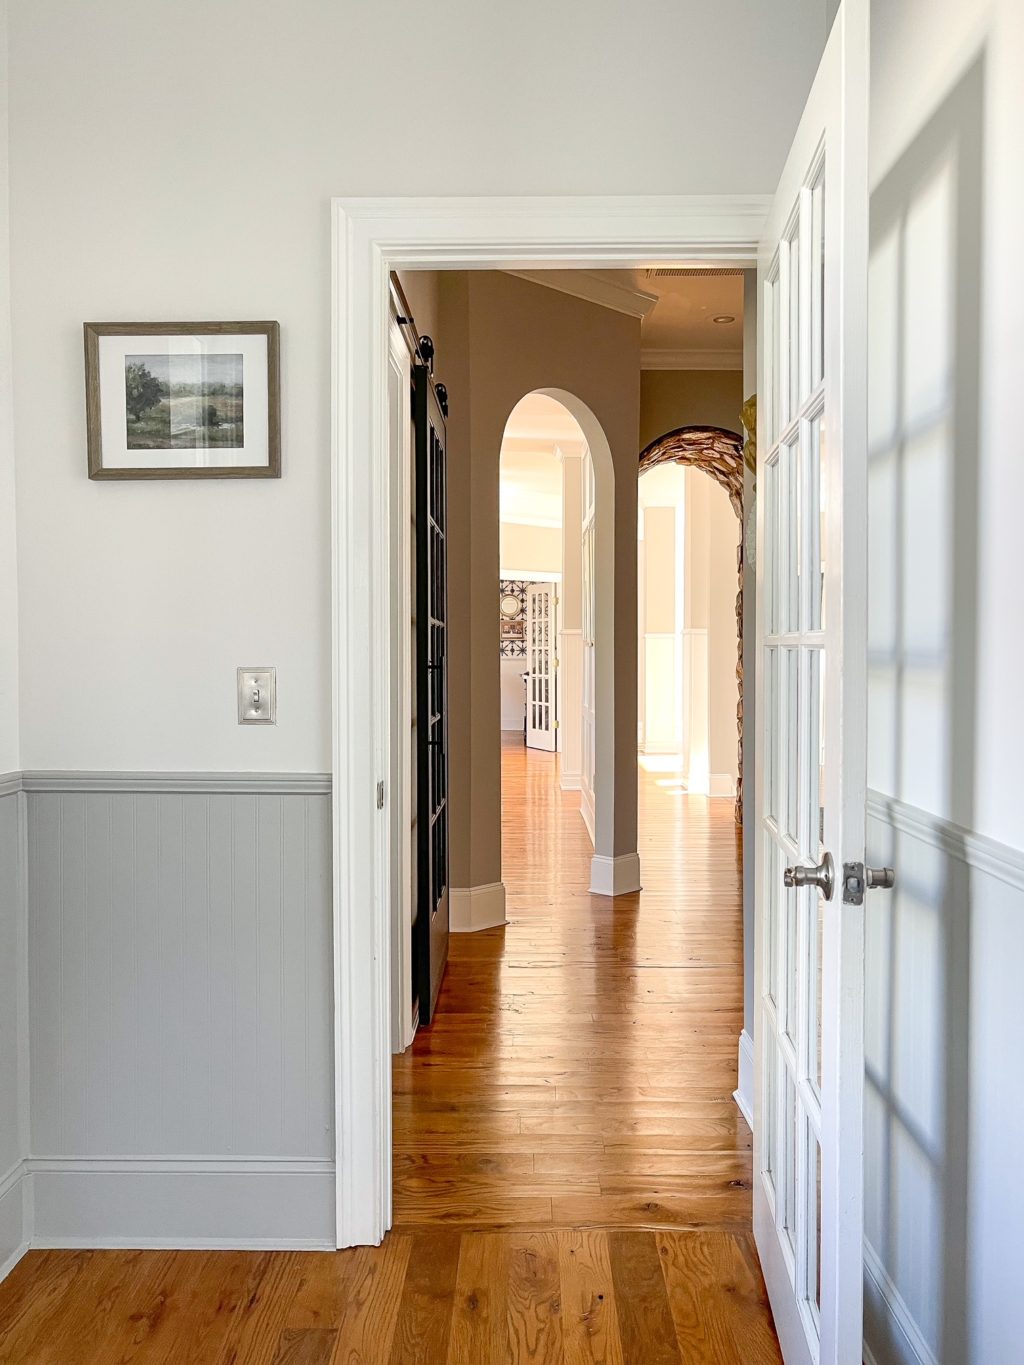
(370, 238)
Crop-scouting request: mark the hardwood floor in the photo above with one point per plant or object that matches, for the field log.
(572, 1178)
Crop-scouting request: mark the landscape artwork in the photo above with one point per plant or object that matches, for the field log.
(184, 401)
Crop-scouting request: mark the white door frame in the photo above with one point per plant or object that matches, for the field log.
(371, 237)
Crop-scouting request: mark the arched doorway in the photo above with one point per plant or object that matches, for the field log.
(719, 453)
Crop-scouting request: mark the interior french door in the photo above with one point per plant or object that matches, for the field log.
(588, 690)
(430, 925)
(811, 572)
(541, 663)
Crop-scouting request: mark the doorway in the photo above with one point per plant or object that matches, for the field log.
(371, 238)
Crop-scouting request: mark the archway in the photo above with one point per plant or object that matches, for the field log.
(719, 453)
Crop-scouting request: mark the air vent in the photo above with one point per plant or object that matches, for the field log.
(697, 272)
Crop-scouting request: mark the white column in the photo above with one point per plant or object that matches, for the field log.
(570, 635)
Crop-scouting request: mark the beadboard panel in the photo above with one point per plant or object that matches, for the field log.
(14, 1229)
(180, 982)
(944, 1118)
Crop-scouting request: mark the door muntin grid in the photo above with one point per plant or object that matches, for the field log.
(794, 669)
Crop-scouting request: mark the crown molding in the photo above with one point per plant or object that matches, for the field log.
(652, 358)
(584, 284)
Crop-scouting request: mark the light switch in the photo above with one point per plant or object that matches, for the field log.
(257, 696)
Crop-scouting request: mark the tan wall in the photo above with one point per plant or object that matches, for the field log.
(526, 550)
(497, 339)
(684, 398)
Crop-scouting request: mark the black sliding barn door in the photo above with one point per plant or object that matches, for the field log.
(430, 926)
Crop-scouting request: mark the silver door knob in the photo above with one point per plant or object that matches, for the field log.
(823, 876)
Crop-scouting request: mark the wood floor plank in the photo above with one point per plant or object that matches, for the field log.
(693, 1268)
(305, 1346)
(534, 1324)
(425, 1315)
(479, 1313)
(367, 1329)
(590, 1325)
(641, 1299)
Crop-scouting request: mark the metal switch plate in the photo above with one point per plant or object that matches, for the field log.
(257, 696)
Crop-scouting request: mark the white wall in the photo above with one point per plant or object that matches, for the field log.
(176, 159)
(9, 744)
(944, 1117)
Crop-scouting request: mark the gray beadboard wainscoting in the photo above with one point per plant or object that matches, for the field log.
(943, 1114)
(179, 1009)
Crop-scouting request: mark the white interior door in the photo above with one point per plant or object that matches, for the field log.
(541, 663)
(811, 567)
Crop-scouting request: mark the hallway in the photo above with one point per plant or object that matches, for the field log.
(572, 1177)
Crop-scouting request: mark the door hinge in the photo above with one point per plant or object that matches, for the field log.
(380, 794)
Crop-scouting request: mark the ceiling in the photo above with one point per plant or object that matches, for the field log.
(682, 317)
(677, 306)
(531, 474)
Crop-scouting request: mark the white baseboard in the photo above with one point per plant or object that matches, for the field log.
(182, 1202)
(181, 1244)
(587, 813)
(883, 1300)
(15, 1217)
(721, 784)
(614, 876)
(744, 1092)
(476, 907)
(570, 782)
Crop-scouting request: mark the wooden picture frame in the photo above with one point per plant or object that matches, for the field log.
(183, 400)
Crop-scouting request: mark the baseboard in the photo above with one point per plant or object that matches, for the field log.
(884, 1304)
(587, 814)
(15, 1217)
(181, 1244)
(570, 782)
(7, 1265)
(182, 1202)
(721, 784)
(472, 908)
(614, 876)
(744, 1092)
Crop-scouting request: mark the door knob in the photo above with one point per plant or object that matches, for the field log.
(823, 876)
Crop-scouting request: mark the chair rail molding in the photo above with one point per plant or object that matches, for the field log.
(371, 237)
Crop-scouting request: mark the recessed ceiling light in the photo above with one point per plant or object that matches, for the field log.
(724, 317)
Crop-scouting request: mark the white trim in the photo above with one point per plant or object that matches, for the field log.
(11, 1176)
(976, 850)
(476, 907)
(176, 1165)
(181, 1244)
(371, 237)
(614, 876)
(744, 1092)
(12, 1260)
(581, 284)
(684, 358)
(891, 1301)
(229, 783)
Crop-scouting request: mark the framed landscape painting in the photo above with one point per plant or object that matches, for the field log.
(183, 400)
